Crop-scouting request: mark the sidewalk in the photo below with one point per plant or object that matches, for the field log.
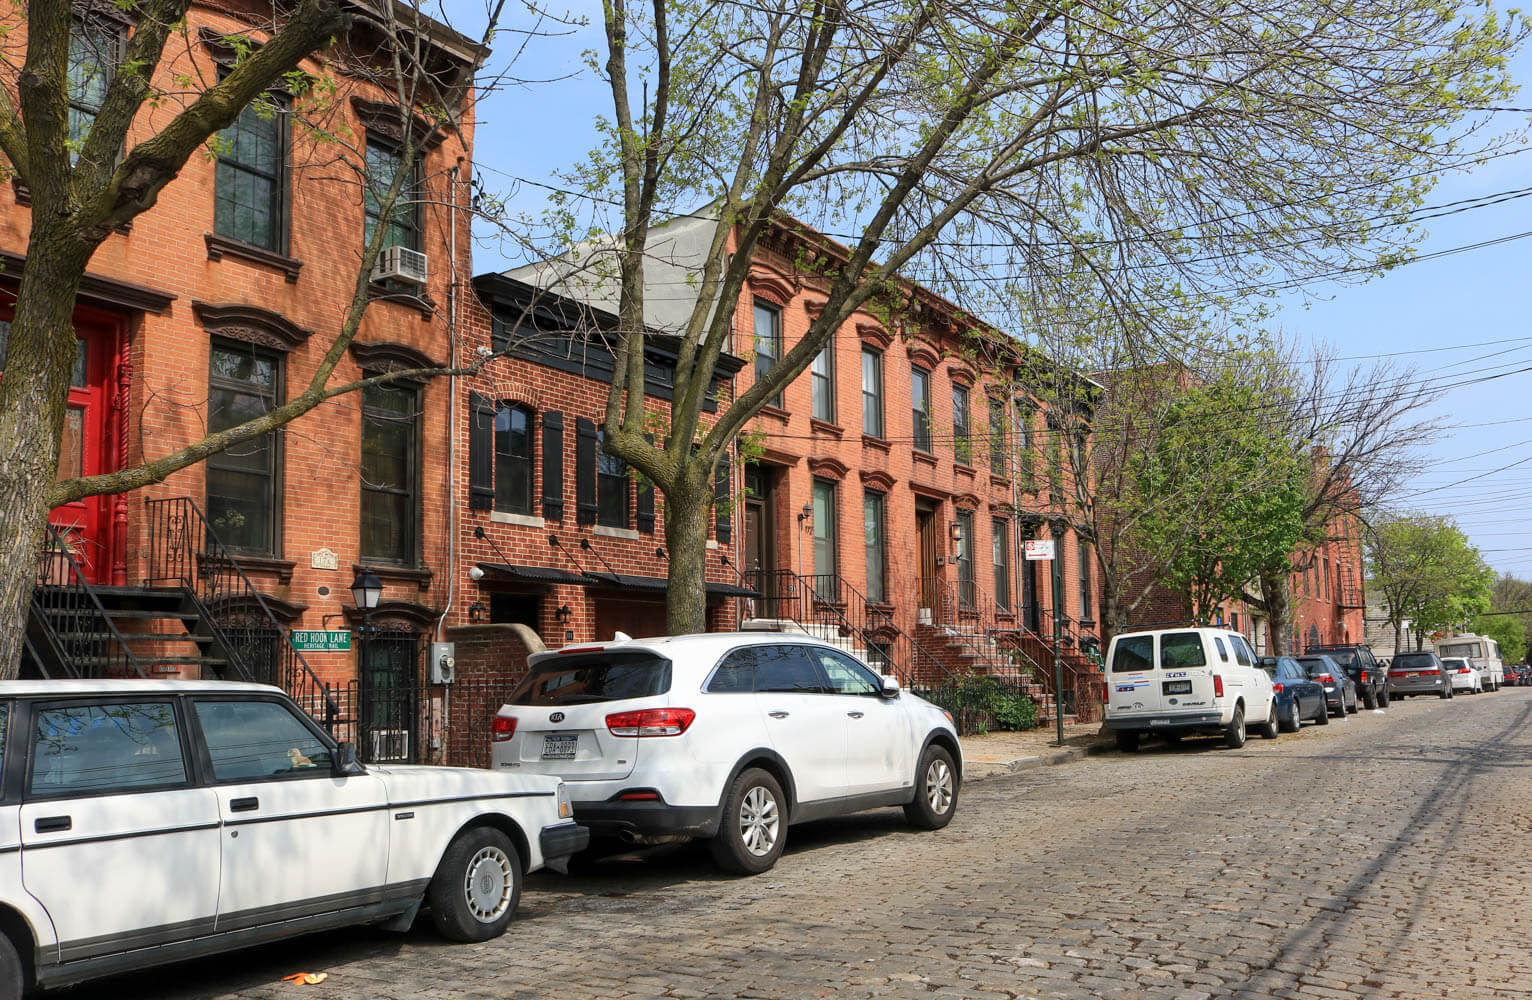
(1005, 753)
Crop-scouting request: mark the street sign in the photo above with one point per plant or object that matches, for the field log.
(321, 640)
(1039, 549)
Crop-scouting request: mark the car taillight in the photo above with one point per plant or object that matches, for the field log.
(1217, 685)
(1465, 670)
(1429, 673)
(1364, 675)
(1277, 688)
(650, 722)
(502, 728)
(1325, 679)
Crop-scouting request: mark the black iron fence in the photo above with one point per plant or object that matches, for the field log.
(69, 632)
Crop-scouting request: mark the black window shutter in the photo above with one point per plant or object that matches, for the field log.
(481, 452)
(553, 465)
(723, 523)
(585, 471)
(645, 517)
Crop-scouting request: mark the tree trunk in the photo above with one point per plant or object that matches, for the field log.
(1112, 614)
(1279, 609)
(1398, 635)
(686, 517)
(39, 360)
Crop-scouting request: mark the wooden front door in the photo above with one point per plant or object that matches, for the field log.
(925, 529)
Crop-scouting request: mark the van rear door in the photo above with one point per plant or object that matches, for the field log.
(1185, 680)
(1132, 681)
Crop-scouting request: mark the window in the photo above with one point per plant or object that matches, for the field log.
(966, 591)
(824, 531)
(768, 343)
(611, 487)
(822, 373)
(584, 678)
(997, 435)
(845, 675)
(94, 50)
(1085, 588)
(735, 673)
(872, 392)
(244, 382)
(260, 739)
(877, 560)
(1183, 649)
(1133, 653)
(920, 407)
(1001, 544)
(962, 446)
(249, 182)
(1242, 652)
(786, 669)
(403, 222)
(114, 746)
(390, 488)
(513, 459)
(1223, 653)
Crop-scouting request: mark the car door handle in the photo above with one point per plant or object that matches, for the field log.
(53, 824)
(244, 805)
(855, 715)
(779, 715)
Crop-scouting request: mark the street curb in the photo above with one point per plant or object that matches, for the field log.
(1046, 760)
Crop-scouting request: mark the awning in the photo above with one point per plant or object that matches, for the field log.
(532, 574)
(658, 583)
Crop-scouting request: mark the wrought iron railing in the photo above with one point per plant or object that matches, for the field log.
(76, 636)
(185, 551)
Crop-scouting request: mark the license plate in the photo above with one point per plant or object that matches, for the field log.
(1178, 687)
(560, 746)
(1159, 722)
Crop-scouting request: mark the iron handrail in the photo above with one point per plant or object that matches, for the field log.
(75, 598)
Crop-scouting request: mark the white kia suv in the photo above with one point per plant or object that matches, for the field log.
(152, 821)
(726, 736)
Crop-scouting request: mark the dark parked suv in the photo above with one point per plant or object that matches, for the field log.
(1370, 678)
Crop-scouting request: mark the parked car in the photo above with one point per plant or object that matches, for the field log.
(1464, 674)
(1418, 673)
(153, 821)
(1340, 690)
(1172, 682)
(1298, 697)
(728, 737)
(1368, 675)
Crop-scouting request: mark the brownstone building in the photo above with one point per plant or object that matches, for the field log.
(217, 305)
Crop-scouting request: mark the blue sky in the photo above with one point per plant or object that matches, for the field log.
(1457, 318)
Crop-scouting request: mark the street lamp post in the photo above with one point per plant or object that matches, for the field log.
(366, 591)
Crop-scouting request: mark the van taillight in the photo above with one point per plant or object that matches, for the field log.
(1217, 685)
(650, 722)
(502, 728)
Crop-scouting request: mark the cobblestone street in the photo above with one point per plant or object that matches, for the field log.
(1334, 863)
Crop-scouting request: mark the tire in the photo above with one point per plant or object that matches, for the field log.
(474, 893)
(1292, 722)
(1324, 714)
(1383, 698)
(1234, 735)
(1127, 740)
(936, 791)
(1446, 692)
(1269, 728)
(1340, 709)
(1355, 706)
(1369, 700)
(753, 830)
(1172, 736)
(13, 973)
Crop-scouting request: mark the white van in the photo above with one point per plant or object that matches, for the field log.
(1482, 650)
(1171, 682)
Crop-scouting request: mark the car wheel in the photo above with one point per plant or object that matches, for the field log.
(1323, 718)
(1269, 728)
(1369, 700)
(1234, 736)
(13, 974)
(474, 893)
(936, 791)
(1354, 706)
(1291, 722)
(754, 827)
(1127, 740)
(1383, 698)
(1446, 692)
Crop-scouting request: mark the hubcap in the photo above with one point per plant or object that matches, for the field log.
(487, 885)
(939, 786)
(759, 821)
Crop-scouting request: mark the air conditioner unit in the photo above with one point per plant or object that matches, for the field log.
(390, 745)
(400, 264)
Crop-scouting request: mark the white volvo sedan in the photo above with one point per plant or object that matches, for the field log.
(147, 821)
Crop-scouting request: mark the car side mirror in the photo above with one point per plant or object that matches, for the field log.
(890, 687)
(345, 760)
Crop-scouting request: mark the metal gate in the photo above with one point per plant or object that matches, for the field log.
(388, 697)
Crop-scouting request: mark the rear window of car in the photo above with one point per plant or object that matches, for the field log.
(582, 678)
(1182, 649)
(1133, 652)
(1413, 660)
(1314, 666)
(1344, 657)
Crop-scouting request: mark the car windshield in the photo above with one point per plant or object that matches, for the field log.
(1413, 660)
(580, 678)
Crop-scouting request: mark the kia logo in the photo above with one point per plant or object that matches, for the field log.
(556, 717)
